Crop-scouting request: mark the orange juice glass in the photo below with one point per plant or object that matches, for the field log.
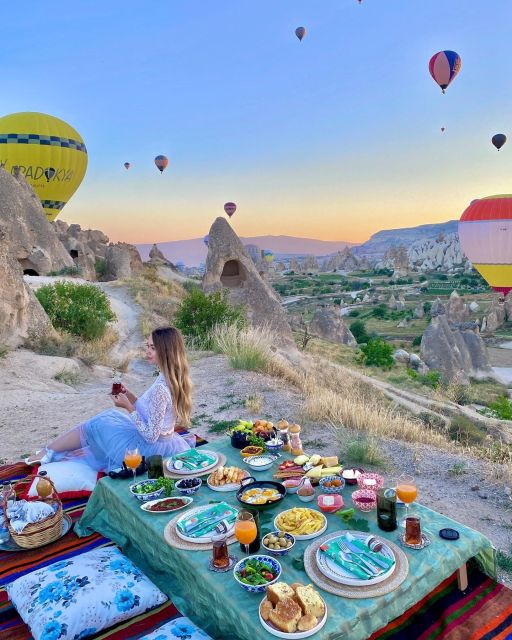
(407, 491)
(132, 459)
(245, 529)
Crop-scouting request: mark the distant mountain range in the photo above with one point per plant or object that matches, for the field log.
(193, 252)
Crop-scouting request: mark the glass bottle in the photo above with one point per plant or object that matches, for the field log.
(296, 443)
(155, 467)
(254, 546)
(283, 425)
(386, 509)
(43, 487)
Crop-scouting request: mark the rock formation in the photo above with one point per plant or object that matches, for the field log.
(229, 266)
(33, 241)
(395, 258)
(456, 309)
(443, 253)
(496, 316)
(310, 263)
(254, 251)
(295, 265)
(437, 308)
(419, 311)
(342, 261)
(329, 325)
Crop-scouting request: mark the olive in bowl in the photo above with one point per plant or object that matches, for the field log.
(278, 543)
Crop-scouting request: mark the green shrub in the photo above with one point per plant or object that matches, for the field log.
(80, 309)
(358, 329)
(100, 266)
(377, 353)
(463, 430)
(199, 314)
(417, 341)
(502, 408)
(365, 451)
(74, 272)
(67, 376)
(353, 313)
(431, 379)
(380, 312)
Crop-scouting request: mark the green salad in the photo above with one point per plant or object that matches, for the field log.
(256, 573)
(150, 486)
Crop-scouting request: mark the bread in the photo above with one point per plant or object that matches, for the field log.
(279, 591)
(286, 615)
(265, 609)
(295, 585)
(310, 602)
(307, 622)
(226, 475)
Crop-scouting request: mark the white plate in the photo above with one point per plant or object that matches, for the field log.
(268, 626)
(333, 571)
(204, 539)
(192, 472)
(145, 506)
(234, 486)
(306, 536)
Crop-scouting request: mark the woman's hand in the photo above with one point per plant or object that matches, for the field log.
(131, 396)
(122, 401)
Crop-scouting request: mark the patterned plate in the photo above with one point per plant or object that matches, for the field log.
(198, 470)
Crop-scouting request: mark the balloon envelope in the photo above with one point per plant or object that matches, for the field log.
(499, 140)
(485, 233)
(300, 32)
(444, 66)
(161, 162)
(268, 256)
(127, 165)
(442, 129)
(230, 208)
(38, 143)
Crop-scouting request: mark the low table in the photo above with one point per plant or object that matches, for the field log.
(218, 604)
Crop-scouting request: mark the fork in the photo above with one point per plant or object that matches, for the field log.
(369, 566)
(349, 560)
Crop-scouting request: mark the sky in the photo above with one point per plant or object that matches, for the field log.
(335, 137)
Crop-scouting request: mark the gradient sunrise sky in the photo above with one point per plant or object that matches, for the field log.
(334, 138)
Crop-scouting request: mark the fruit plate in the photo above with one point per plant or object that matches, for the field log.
(306, 536)
(297, 635)
(193, 472)
(146, 506)
(207, 538)
(233, 486)
(336, 573)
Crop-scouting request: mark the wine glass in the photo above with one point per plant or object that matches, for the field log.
(407, 491)
(132, 459)
(245, 529)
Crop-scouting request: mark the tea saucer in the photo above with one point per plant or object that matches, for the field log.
(232, 561)
(425, 541)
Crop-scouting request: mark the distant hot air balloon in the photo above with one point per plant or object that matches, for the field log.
(230, 208)
(127, 165)
(485, 233)
(499, 140)
(205, 240)
(161, 162)
(268, 255)
(300, 32)
(442, 129)
(444, 66)
(43, 146)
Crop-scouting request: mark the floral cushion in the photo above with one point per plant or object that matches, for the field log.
(179, 629)
(73, 599)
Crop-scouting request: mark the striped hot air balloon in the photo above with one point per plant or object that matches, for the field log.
(230, 208)
(485, 233)
(444, 66)
(161, 162)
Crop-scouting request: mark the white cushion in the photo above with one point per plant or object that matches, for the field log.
(181, 628)
(71, 479)
(78, 597)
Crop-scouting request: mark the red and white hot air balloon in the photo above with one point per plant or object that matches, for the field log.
(444, 66)
(230, 208)
(161, 163)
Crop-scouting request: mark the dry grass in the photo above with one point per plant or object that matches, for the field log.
(249, 348)
(96, 352)
(254, 403)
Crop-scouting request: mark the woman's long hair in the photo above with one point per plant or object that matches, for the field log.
(173, 363)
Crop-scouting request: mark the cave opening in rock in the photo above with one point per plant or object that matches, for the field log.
(30, 272)
(73, 253)
(233, 274)
(28, 267)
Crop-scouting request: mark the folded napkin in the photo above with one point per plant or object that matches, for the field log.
(333, 552)
(202, 523)
(359, 544)
(192, 459)
(23, 513)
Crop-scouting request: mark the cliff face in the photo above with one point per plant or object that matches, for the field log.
(443, 253)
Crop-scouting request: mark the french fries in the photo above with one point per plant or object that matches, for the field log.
(226, 475)
(300, 521)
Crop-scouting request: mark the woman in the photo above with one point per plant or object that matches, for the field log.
(103, 440)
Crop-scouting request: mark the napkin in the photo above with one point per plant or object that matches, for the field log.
(359, 544)
(23, 513)
(193, 459)
(200, 524)
(332, 551)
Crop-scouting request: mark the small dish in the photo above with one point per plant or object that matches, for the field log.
(251, 451)
(364, 499)
(370, 481)
(231, 564)
(330, 503)
(306, 498)
(260, 588)
(260, 463)
(273, 446)
(332, 484)
(278, 552)
(149, 506)
(292, 484)
(351, 474)
(184, 489)
(425, 541)
(150, 495)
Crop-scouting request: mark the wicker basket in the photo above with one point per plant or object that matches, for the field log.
(37, 534)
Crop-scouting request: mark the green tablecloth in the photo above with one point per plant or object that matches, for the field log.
(218, 604)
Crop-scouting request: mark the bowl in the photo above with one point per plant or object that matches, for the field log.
(351, 481)
(306, 498)
(274, 448)
(252, 483)
(239, 439)
(188, 491)
(251, 451)
(364, 499)
(144, 497)
(290, 485)
(252, 588)
(325, 482)
(261, 462)
(370, 481)
(330, 503)
(278, 552)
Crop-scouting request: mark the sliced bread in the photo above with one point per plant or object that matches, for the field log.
(286, 615)
(279, 591)
(310, 602)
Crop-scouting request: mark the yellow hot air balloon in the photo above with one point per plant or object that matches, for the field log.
(35, 142)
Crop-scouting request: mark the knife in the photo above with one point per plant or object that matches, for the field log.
(354, 549)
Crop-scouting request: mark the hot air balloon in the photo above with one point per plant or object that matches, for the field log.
(499, 140)
(444, 66)
(268, 255)
(127, 165)
(485, 233)
(205, 240)
(161, 162)
(37, 143)
(230, 208)
(300, 32)
(442, 129)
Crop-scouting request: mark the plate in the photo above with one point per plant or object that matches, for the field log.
(145, 506)
(306, 536)
(207, 539)
(268, 626)
(193, 472)
(333, 571)
(10, 545)
(425, 541)
(234, 486)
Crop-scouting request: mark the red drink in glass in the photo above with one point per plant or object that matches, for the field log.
(117, 388)
(220, 554)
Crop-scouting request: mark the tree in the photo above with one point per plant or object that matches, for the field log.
(377, 353)
(358, 329)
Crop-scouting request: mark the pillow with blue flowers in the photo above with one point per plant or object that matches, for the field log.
(73, 599)
(178, 629)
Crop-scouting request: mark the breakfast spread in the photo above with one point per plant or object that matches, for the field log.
(292, 608)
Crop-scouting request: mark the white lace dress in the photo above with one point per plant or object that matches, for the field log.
(107, 435)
